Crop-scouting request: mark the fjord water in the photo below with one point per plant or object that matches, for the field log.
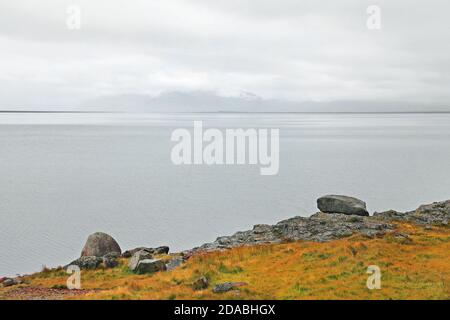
(64, 176)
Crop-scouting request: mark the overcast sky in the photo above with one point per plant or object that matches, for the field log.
(283, 49)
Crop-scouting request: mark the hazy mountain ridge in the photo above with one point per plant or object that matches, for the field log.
(206, 101)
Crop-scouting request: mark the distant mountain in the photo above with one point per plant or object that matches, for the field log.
(205, 101)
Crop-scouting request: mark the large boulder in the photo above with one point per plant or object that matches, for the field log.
(342, 204)
(150, 266)
(100, 244)
(138, 257)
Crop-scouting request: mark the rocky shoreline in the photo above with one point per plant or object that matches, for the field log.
(329, 226)
(340, 217)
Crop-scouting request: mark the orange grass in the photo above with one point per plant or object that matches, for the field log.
(417, 269)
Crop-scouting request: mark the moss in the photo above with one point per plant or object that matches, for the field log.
(225, 269)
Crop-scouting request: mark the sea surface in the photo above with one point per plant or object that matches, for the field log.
(65, 176)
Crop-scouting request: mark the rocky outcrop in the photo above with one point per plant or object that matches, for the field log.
(322, 227)
(342, 204)
(100, 244)
(101, 250)
(437, 213)
(319, 227)
(150, 266)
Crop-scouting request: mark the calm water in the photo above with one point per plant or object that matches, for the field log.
(64, 176)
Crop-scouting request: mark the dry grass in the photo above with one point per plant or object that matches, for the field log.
(417, 269)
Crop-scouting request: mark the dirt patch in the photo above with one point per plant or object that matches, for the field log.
(33, 293)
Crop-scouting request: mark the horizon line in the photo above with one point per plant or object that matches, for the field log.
(190, 112)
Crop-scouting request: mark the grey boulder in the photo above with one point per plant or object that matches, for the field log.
(8, 282)
(100, 244)
(150, 266)
(227, 286)
(158, 250)
(342, 204)
(138, 257)
(174, 263)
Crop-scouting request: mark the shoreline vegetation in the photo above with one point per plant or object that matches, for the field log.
(324, 256)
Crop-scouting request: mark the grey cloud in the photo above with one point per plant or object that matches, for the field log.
(290, 50)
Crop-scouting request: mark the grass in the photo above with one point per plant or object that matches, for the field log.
(417, 269)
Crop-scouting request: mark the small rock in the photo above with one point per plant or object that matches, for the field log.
(130, 253)
(174, 263)
(403, 237)
(100, 244)
(137, 257)
(150, 266)
(158, 250)
(8, 282)
(227, 286)
(342, 204)
(187, 254)
(353, 251)
(200, 284)
(161, 250)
